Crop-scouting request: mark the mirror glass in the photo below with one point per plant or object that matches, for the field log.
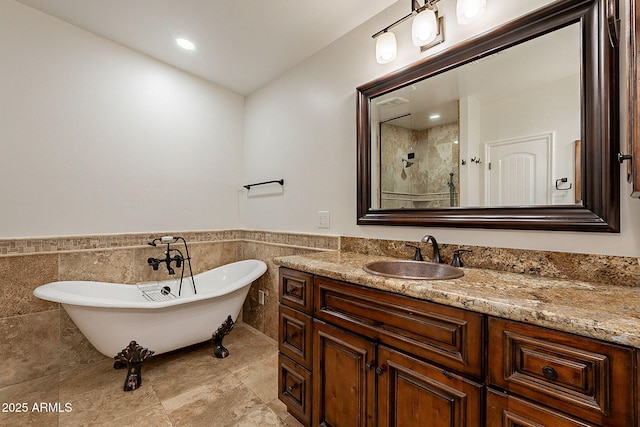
(503, 130)
(516, 128)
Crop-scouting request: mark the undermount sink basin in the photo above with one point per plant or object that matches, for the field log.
(414, 270)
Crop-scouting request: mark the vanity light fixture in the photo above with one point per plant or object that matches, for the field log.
(424, 28)
(427, 29)
(386, 47)
(468, 10)
(185, 44)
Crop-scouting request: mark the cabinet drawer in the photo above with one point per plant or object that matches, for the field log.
(295, 335)
(296, 290)
(443, 335)
(509, 411)
(294, 388)
(585, 377)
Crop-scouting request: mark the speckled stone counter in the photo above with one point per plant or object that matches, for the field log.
(606, 312)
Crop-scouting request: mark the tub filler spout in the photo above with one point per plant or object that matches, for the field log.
(179, 259)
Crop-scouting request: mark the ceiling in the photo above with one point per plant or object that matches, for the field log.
(535, 63)
(240, 44)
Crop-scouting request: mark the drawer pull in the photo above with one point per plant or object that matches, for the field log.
(291, 388)
(290, 336)
(549, 373)
(289, 291)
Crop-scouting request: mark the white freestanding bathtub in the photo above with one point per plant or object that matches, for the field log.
(112, 315)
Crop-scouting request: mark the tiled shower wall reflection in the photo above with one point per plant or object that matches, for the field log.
(37, 338)
(419, 168)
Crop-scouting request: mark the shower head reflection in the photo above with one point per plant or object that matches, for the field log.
(406, 163)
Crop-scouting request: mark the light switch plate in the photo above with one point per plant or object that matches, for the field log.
(323, 219)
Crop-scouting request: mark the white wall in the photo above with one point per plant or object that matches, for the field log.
(302, 127)
(552, 107)
(96, 138)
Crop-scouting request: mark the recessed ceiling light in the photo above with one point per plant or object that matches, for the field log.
(434, 116)
(185, 44)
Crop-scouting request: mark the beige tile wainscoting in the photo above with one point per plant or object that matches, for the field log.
(44, 355)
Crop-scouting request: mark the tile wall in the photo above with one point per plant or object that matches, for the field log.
(38, 339)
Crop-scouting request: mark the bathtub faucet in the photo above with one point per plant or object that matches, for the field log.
(179, 259)
(168, 259)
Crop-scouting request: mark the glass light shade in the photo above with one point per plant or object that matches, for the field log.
(185, 44)
(424, 28)
(468, 10)
(386, 48)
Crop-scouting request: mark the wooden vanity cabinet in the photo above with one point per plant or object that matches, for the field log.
(359, 357)
(381, 359)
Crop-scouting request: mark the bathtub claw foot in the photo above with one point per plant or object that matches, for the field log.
(132, 357)
(218, 349)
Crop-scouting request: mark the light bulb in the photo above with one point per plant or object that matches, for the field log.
(468, 10)
(424, 28)
(386, 48)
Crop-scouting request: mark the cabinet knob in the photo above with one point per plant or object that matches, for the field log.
(369, 366)
(549, 373)
(291, 388)
(290, 336)
(379, 370)
(289, 291)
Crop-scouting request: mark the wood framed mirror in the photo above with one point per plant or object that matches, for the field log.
(463, 173)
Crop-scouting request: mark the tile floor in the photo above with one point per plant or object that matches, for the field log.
(188, 387)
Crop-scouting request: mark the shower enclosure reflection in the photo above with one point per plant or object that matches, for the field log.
(419, 165)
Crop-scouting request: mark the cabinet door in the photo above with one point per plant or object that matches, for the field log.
(343, 378)
(415, 393)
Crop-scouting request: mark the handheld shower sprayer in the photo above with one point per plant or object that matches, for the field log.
(164, 240)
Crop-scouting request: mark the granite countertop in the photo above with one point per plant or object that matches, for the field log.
(596, 310)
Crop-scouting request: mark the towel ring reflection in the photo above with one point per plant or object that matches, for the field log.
(563, 180)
